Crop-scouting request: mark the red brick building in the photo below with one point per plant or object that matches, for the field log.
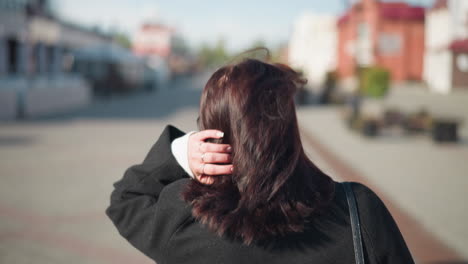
(387, 34)
(153, 40)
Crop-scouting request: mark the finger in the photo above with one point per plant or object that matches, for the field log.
(214, 147)
(208, 180)
(212, 157)
(195, 150)
(209, 133)
(213, 170)
(200, 169)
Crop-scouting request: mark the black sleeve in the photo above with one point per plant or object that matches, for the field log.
(383, 241)
(138, 207)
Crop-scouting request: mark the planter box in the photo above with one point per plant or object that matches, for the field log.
(445, 130)
(370, 128)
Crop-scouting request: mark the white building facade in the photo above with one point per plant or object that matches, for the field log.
(313, 47)
(446, 23)
(35, 60)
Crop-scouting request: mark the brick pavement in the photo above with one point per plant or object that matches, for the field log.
(428, 202)
(56, 175)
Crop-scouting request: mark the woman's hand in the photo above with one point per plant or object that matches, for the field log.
(203, 157)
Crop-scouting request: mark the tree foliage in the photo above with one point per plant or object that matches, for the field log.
(213, 56)
(122, 39)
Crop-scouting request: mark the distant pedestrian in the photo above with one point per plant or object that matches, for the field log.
(248, 194)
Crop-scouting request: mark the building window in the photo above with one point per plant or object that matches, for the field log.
(364, 54)
(363, 31)
(12, 56)
(462, 62)
(389, 44)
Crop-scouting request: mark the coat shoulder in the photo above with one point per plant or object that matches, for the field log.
(171, 198)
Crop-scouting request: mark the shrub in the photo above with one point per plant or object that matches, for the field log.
(374, 81)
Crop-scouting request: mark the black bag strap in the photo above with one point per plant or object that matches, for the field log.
(355, 224)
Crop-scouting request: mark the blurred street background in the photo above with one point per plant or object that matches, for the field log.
(86, 87)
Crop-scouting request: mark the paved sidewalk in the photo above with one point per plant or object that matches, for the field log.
(56, 176)
(427, 181)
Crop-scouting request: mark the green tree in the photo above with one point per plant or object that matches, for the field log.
(180, 46)
(259, 43)
(122, 39)
(213, 56)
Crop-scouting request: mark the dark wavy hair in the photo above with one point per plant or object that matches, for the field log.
(274, 189)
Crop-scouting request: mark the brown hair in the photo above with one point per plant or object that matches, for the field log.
(274, 188)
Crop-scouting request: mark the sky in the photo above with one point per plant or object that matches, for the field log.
(239, 23)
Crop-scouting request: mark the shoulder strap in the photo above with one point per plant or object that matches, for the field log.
(355, 224)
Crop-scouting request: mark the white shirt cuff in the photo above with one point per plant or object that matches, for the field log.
(179, 148)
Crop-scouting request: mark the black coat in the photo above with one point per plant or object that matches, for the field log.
(148, 211)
